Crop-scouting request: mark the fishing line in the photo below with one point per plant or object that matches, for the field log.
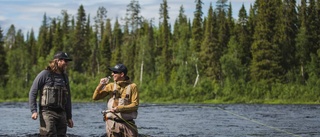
(129, 123)
(257, 122)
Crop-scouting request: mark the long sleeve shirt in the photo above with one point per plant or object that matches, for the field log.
(103, 91)
(40, 81)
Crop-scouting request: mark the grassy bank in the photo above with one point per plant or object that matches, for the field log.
(214, 101)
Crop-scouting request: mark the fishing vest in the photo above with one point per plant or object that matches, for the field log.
(118, 101)
(54, 96)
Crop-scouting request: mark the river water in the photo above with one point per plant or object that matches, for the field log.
(197, 120)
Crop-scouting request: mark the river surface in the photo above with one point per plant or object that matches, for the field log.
(198, 120)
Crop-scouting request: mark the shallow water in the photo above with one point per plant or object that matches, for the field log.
(235, 120)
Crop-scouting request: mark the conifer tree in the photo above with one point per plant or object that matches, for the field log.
(79, 47)
(16, 53)
(197, 31)
(318, 23)
(145, 65)
(66, 31)
(30, 56)
(133, 16)
(181, 36)
(128, 54)
(17, 59)
(230, 19)
(129, 49)
(222, 5)
(10, 38)
(105, 48)
(231, 65)
(108, 31)
(116, 42)
(223, 24)
(87, 52)
(96, 40)
(165, 57)
(313, 21)
(266, 54)
(302, 42)
(312, 26)
(43, 43)
(49, 39)
(210, 54)
(32, 43)
(57, 36)
(252, 20)
(99, 22)
(285, 32)
(243, 36)
(93, 44)
(3, 64)
(196, 38)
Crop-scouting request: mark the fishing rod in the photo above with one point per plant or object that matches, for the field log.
(104, 112)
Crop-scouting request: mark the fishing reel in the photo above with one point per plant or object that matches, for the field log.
(105, 112)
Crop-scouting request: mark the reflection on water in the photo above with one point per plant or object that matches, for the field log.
(179, 120)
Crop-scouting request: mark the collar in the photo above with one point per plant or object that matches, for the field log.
(123, 83)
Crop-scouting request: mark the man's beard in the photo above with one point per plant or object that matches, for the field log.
(61, 69)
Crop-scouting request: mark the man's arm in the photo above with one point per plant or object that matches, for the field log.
(101, 91)
(37, 85)
(69, 103)
(133, 106)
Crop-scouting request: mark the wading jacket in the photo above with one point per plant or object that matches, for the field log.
(121, 86)
(45, 77)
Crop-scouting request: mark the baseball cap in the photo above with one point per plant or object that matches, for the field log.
(62, 55)
(119, 68)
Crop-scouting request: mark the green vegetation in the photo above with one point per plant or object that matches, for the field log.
(270, 54)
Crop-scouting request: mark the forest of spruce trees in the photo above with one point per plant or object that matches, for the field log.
(269, 54)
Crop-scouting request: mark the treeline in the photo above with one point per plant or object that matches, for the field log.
(268, 54)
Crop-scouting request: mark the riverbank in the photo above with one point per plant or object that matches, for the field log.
(214, 101)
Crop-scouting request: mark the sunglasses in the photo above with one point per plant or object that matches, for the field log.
(64, 60)
(115, 72)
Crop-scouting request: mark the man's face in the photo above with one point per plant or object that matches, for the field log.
(117, 76)
(62, 64)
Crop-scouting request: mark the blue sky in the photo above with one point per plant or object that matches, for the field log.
(28, 14)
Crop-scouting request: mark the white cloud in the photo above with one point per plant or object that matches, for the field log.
(2, 18)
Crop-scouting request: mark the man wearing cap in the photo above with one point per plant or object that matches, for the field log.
(122, 105)
(54, 99)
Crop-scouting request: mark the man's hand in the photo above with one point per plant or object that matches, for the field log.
(34, 115)
(105, 81)
(114, 110)
(70, 123)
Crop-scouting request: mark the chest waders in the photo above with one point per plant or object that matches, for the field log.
(115, 101)
(54, 96)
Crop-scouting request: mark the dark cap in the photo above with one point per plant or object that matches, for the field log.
(62, 55)
(119, 68)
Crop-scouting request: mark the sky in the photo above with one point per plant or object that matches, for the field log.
(28, 14)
